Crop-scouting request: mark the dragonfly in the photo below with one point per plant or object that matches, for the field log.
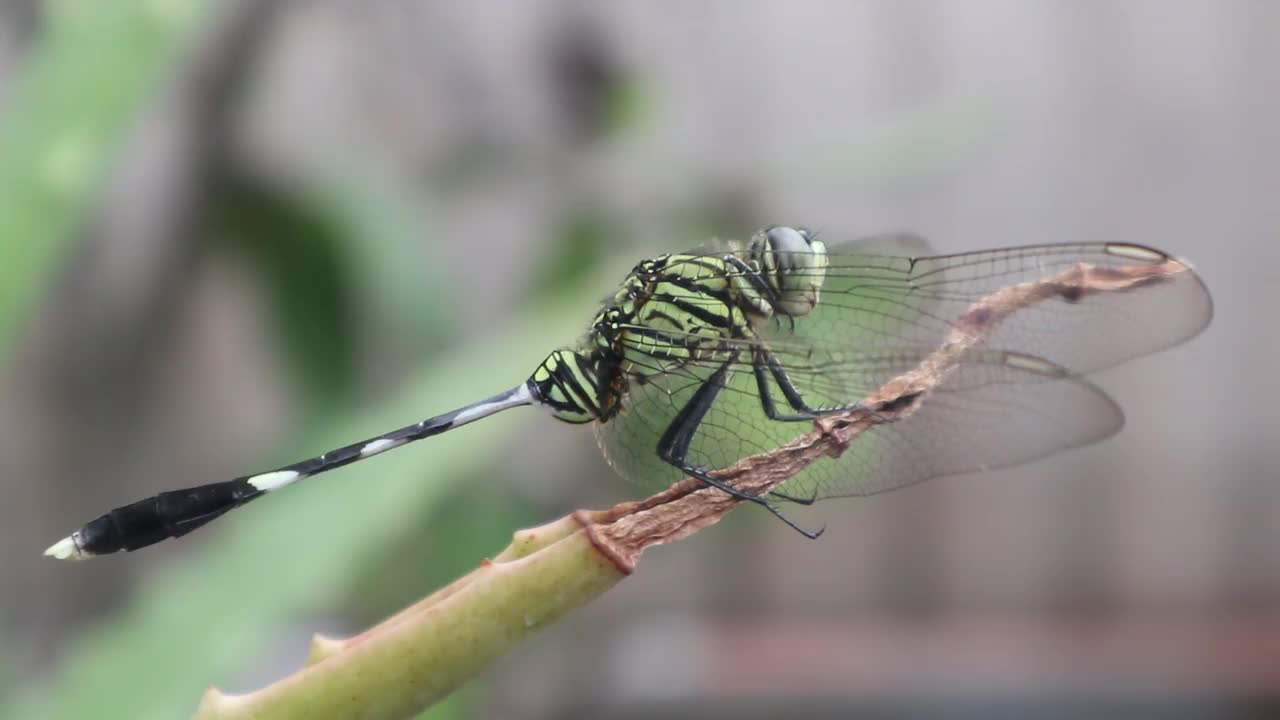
(702, 358)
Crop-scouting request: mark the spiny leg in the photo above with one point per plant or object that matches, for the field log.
(772, 412)
(673, 447)
(765, 360)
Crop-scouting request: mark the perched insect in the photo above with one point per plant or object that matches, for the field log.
(702, 358)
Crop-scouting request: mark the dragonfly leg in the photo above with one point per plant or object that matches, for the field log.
(770, 406)
(750, 497)
(673, 447)
(771, 410)
(766, 359)
(806, 501)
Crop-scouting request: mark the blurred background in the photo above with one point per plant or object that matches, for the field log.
(237, 234)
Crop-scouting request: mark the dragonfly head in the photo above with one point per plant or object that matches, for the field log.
(794, 263)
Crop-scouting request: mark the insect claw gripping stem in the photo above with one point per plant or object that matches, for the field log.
(805, 501)
(751, 497)
(810, 534)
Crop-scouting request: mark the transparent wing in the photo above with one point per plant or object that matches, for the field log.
(879, 316)
(915, 302)
(989, 414)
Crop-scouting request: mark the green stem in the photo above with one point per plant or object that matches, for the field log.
(422, 654)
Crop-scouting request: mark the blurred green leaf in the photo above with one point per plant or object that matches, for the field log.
(387, 244)
(294, 248)
(582, 241)
(90, 70)
(336, 258)
(626, 107)
(8, 675)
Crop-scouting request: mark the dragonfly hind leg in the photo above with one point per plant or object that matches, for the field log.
(673, 447)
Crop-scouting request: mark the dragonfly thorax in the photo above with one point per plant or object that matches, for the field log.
(679, 309)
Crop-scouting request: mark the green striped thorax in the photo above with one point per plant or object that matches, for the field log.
(678, 308)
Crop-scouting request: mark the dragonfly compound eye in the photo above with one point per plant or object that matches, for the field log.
(794, 264)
